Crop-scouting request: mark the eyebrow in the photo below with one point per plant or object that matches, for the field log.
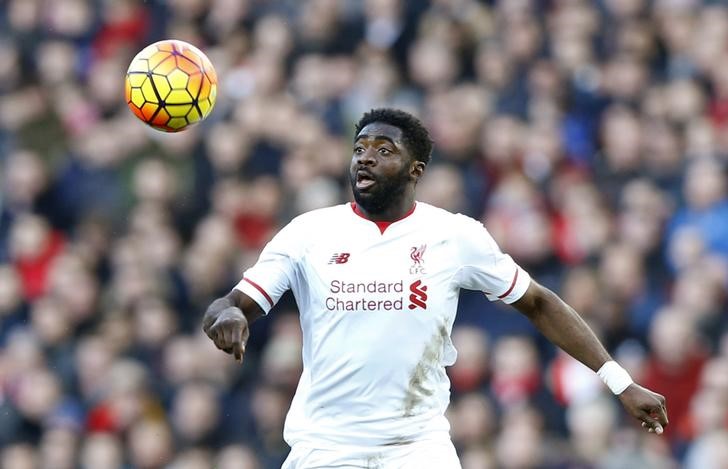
(376, 137)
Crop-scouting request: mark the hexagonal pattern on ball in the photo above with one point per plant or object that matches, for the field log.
(171, 85)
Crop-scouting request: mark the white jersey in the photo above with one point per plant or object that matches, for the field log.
(377, 303)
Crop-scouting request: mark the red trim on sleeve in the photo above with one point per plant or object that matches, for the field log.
(263, 292)
(513, 284)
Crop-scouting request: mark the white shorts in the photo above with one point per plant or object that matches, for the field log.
(421, 455)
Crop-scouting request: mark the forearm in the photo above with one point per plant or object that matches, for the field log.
(235, 299)
(563, 326)
(566, 329)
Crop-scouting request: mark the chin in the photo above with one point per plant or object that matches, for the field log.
(372, 202)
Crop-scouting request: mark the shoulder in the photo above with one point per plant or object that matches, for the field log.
(468, 233)
(446, 219)
(306, 228)
(434, 212)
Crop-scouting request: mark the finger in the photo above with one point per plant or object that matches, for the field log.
(219, 339)
(655, 427)
(658, 416)
(661, 415)
(648, 428)
(651, 424)
(206, 325)
(238, 344)
(228, 338)
(245, 335)
(215, 336)
(211, 333)
(221, 346)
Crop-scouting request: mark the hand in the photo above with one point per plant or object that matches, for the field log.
(229, 331)
(647, 406)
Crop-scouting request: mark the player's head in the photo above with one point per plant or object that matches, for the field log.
(414, 135)
(391, 150)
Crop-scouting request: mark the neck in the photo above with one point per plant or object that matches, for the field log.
(395, 211)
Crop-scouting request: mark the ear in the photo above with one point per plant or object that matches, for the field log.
(417, 169)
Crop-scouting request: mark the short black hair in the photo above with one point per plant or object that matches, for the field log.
(414, 135)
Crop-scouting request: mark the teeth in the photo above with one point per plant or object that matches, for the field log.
(364, 180)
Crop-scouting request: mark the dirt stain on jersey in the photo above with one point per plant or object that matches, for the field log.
(399, 441)
(374, 462)
(416, 390)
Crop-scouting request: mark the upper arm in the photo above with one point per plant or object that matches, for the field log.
(274, 272)
(484, 267)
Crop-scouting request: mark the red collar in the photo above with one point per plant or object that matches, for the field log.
(382, 225)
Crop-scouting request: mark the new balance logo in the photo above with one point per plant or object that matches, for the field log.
(339, 258)
(418, 297)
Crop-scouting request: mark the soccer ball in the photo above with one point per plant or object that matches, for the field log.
(171, 85)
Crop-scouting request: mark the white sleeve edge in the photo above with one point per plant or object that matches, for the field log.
(249, 289)
(521, 284)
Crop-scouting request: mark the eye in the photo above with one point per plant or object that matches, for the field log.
(358, 150)
(384, 151)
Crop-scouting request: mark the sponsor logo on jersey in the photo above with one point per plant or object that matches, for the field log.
(339, 258)
(418, 296)
(418, 261)
(375, 295)
(365, 296)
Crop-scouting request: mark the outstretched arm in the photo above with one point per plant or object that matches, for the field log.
(566, 329)
(227, 319)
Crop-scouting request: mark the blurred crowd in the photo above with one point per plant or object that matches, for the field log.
(591, 138)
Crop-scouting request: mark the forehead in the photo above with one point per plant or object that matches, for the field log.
(380, 129)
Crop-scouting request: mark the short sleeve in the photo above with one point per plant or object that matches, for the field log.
(485, 267)
(273, 273)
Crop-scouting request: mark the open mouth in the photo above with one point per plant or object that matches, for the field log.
(364, 180)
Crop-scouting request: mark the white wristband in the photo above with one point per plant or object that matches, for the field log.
(615, 377)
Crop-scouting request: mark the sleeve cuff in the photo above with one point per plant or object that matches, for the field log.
(519, 285)
(257, 293)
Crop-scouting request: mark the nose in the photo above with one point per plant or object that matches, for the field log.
(366, 158)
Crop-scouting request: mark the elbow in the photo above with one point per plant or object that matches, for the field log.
(534, 302)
